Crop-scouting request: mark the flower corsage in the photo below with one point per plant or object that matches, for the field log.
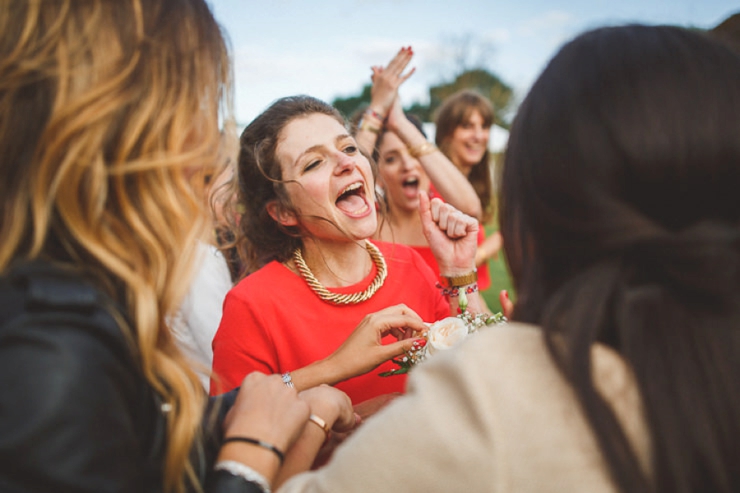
(444, 334)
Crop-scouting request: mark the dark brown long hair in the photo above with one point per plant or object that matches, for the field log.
(621, 223)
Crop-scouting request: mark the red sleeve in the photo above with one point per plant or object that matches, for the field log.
(241, 345)
(484, 277)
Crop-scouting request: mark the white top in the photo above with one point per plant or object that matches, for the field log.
(196, 322)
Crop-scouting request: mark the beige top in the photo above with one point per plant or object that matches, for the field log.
(493, 415)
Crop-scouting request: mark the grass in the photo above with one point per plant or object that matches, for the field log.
(500, 279)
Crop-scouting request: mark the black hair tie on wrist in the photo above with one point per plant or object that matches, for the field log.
(259, 443)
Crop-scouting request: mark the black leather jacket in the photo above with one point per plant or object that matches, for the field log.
(76, 414)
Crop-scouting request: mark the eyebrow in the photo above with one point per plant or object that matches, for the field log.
(318, 147)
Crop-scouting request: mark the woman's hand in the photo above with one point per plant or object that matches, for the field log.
(363, 350)
(333, 406)
(507, 307)
(452, 235)
(266, 409)
(362, 411)
(397, 120)
(386, 81)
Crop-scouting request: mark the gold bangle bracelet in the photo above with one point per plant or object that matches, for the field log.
(367, 126)
(422, 150)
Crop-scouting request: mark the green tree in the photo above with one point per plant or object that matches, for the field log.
(487, 83)
(347, 106)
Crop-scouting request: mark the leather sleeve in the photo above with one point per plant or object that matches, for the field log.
(76, 414)
(69, 405)
(223, 482)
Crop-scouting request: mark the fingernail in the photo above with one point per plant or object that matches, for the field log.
(420, 342)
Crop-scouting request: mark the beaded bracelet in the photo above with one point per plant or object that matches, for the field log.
(454, 292)
(243, 471)
(371, 112)
(268, 446)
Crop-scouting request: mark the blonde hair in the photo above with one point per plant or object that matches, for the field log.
(109, 113)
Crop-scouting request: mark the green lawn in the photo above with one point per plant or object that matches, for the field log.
(499, 279)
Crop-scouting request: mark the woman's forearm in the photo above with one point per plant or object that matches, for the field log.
(453, 187)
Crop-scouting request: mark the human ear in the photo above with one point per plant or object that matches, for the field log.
(280, 215)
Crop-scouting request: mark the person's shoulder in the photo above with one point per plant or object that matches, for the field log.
(510, 345)
(64, 309)
(494, 361)
(64, 326)
(269, 276)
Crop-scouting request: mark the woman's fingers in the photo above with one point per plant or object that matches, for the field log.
(397, 65)
(399, 62)
(409, 74)
(266, 409)
(506, 304)
(454, 223)
(398, 317)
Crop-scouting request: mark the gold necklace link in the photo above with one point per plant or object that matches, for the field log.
(344, 299)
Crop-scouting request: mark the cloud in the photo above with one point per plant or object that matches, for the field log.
(547, 22)
(265, 73)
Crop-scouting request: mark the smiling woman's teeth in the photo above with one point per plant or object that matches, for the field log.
(351, 201)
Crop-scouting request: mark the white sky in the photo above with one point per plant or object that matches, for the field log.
(325, 47)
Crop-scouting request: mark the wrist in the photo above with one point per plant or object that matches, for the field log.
(376, 113)
(423, 149)
(457, 279)
(369, 125)
(328, 371)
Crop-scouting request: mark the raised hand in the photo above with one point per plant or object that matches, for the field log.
(387, 80)
(452, 235)
(396, 120)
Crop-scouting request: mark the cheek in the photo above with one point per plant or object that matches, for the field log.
(367, 170)
(458, 139)
(305, 192)
(387, 171)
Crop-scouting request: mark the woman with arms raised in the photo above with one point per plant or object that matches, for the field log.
(308, 194)
(408, 164)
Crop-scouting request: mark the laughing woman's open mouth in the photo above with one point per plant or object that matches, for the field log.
(353, 200)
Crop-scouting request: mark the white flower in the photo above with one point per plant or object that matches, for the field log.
(446, 333)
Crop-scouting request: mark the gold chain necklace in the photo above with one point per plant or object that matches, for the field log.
(344, 299)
